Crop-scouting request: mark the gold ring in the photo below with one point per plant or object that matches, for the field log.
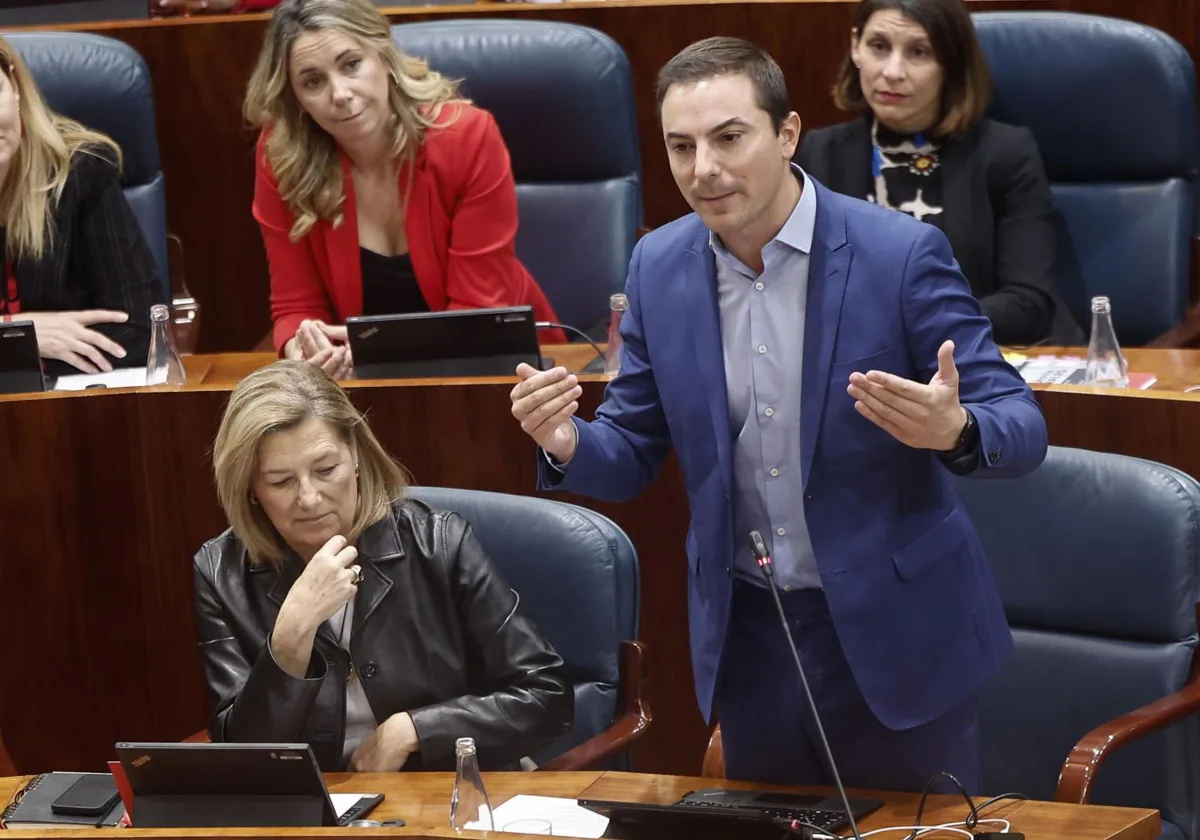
(358, 575)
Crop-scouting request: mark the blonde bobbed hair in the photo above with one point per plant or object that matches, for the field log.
(303, 157)
(39, 168)
(278, 397)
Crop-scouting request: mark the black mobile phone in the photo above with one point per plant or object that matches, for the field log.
(92, 795)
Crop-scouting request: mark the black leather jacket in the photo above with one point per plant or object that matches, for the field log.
(436, 633)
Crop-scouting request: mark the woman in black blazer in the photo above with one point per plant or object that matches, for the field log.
(76, 264)
(922, 146)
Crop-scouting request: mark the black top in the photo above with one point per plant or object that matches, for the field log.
(997, 214)
(390, 285)
(906, 174)
(98, 259)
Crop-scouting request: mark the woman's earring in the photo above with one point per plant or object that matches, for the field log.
(356, 470)
(254, 500)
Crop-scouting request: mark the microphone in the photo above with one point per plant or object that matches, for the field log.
(764, 564)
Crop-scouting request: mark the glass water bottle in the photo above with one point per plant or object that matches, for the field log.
(469, 805)
(1106, 364)
(163, 365)
(612, 356)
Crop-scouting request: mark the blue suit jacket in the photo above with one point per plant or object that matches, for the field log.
(908, 586)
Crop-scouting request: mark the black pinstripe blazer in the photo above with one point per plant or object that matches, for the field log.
(98, 259)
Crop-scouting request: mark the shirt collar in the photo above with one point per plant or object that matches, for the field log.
(797, 231)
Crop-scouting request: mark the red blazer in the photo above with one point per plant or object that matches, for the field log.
(461, 223)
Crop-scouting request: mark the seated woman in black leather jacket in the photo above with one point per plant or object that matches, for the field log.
(338, 613)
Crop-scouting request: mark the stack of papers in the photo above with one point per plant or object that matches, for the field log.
(119, 378)
(565, 816)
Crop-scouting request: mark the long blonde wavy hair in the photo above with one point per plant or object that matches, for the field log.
(39, 168)
(302, 155)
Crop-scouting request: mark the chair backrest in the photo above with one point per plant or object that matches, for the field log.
(104, 84)
(1113, 107)
(576, 573)
(562, 95)
(1097, 560)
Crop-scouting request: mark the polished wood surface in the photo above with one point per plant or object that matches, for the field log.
(200, 66)
(113, 493)
(422, 800)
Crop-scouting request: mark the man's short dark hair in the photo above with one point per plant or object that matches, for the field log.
(723, 56)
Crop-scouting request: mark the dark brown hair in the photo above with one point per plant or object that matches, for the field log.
(966, 82)
(723, 56)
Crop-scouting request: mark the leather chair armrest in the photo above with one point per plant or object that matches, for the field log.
(7, 767)
(633, 717)
(200, 737)
(1184, 334)
(714, 756)
(185, 309)
(1079, 771)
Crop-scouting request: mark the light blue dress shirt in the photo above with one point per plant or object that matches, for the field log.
(762, 332)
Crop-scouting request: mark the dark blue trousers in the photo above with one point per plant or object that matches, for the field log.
(767, 729)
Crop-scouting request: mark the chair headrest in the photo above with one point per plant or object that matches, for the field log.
(1107, 99)
(562, 94)
(102, 83)
(1093, 543)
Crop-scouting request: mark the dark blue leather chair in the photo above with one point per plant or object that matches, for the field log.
(563, 97)
(577, 576)
(104, 84)
(1097, 558)
(1113, 107)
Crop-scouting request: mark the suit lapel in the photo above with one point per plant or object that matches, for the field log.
(855, 171)
(704, 323)
(282, 582)
(828, 269)
(377, 547)
(957, 222)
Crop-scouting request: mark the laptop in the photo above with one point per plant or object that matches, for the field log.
(20, 363)
(465, 342)
(203, 785)
(740, 813)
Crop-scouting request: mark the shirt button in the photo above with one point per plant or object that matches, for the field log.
(993, 457)
(770, 412)
(787, 589)
(369, 671)
(762, 348)
(774, 471)
(759, 285)
(780, 531)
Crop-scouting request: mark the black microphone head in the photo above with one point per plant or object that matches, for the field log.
(758, 546)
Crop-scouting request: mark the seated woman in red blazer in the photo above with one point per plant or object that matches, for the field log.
(378, 190)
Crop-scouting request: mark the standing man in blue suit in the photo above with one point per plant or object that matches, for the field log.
(821, 368)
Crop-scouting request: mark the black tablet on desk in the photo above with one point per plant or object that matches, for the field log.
(200, 785)
(20, 362)
(463, 342)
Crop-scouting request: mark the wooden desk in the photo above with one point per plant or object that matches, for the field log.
(422, 799)
(107, 495)
(200, 67)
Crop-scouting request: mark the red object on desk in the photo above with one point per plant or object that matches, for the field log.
(118, 773)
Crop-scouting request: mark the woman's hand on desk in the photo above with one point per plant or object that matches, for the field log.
(65, 336)
(324, 346)
(388, 748)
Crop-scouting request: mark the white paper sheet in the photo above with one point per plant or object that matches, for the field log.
(343, 802)
(119, 378)
(566, 817)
